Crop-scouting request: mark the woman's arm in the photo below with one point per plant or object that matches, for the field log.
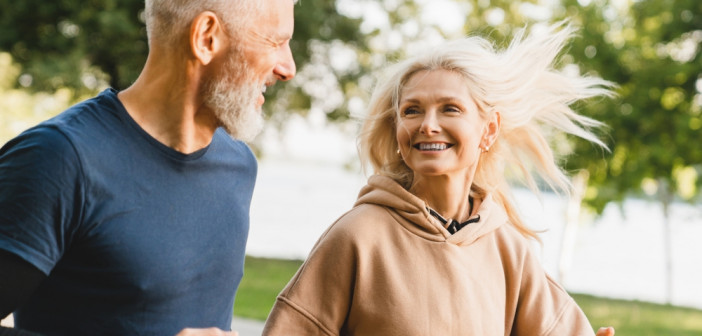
(605, 331)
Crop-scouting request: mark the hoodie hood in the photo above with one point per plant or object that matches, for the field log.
(411, 212)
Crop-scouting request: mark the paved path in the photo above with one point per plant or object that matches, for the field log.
(247, 327)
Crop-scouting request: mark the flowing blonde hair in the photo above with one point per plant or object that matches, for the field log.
(521, 83)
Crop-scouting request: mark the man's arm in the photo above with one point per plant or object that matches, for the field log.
(18, 280)
(16, 332)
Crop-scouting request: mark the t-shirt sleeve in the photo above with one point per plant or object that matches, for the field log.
(40, 196)
(316, 301)
(544, 307)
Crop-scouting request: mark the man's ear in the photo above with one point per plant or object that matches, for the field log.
(206, 37)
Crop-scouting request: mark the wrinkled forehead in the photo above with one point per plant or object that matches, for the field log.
(438, 77)
(444, 81)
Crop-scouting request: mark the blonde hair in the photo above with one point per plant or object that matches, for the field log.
(167, 21)
(521, 83)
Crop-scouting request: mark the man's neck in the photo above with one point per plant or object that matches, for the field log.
(166, 104)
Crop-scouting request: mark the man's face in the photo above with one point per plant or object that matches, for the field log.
(265, 44)
(258, 57)
(232, 95)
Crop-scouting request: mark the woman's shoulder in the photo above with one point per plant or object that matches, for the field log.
(359, 225)
(512, 242)
(361, 217)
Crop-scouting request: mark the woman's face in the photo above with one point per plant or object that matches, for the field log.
(440, 130)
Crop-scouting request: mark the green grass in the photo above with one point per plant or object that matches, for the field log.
(638, 318)
(264, 278)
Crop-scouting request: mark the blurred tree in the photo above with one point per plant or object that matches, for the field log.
(653, 50)
(87, 45)
(74, 44)
(325, 46)
(22, 109)
(338, 45)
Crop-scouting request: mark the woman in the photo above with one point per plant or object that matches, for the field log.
(434, 246)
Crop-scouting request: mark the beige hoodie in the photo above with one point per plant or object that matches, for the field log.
(387, 267)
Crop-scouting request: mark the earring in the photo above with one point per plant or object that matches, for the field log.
(397, 151)
(485, 149)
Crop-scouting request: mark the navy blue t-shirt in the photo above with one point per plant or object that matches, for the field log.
(135, 237)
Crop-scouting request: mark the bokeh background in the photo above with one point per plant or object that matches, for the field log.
(634, 230)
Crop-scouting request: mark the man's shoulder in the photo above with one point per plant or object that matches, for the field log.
(81, 120)
(233, 148)
(61, 138)
(87, 112)
(42, 141)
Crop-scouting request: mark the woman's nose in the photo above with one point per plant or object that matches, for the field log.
(430, 124)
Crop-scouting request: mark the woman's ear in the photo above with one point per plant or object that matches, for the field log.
(492, 129)
(207, 37)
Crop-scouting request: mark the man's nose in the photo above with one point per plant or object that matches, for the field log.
(285, 69)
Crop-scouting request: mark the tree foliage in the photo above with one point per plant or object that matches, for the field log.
(319, 29)
(86, 45)
(652, 49)
(15, 103)
(74, 44)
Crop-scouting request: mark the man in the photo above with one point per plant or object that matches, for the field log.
(128, 213)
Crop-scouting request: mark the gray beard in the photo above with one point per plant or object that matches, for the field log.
(234, 105)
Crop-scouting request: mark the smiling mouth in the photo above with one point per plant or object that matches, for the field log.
(262, 99)
(432, 146)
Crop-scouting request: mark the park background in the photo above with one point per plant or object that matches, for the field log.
(633, 230)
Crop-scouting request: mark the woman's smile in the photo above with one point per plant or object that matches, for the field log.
(432, 146)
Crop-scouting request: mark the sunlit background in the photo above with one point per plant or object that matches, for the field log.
(633, 233)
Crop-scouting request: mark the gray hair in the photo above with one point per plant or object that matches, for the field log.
(167, 21)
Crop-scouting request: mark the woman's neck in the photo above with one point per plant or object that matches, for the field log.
(447, 196)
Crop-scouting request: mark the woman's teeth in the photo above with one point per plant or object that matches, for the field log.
(432, 146)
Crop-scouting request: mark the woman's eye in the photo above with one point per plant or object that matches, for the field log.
(453, 109)
(410, 111)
